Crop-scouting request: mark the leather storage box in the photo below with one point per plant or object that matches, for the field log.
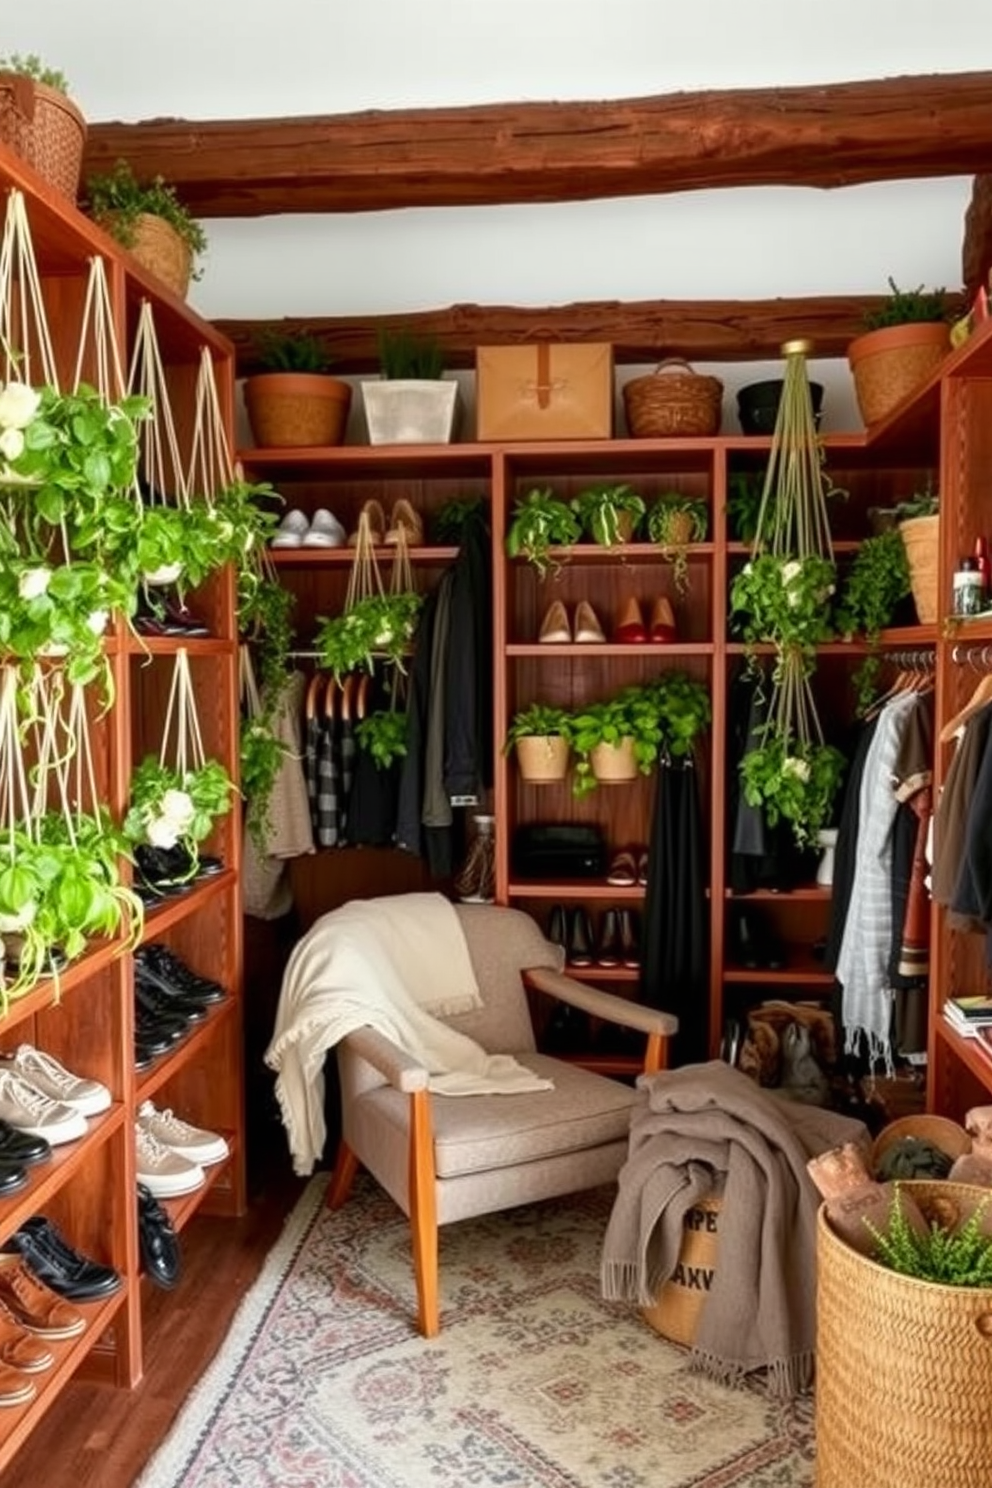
(544, 391)
(558, 850)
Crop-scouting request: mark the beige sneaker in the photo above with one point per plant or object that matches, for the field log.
(191, 1142)
(165, 1173)
(43, 1070)
(23, 1105)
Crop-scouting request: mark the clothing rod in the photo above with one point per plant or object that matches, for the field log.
(975, 656)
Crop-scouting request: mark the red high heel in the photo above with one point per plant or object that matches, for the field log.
(662, 622)
(630, 626)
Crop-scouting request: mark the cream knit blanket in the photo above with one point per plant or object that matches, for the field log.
(380, 963)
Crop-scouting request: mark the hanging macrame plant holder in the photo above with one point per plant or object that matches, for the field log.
(165, 492)
(376, 624)
(27, 361)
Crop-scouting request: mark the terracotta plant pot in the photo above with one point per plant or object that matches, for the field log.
(297, 409)
(888, 365)
(542, 758)
(614, 764)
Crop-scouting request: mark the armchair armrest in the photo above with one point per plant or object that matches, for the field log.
(602, 1004)
(393, 1063)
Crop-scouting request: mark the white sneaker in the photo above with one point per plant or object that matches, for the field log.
(23, 1105)
(164, 1173)
(44, 1072)
(192, 1142)
(325, 531)
(291, 531)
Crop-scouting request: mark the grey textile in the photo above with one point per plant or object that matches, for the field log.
(706, 1130)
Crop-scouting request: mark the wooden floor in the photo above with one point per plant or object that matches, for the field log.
(97, 1437)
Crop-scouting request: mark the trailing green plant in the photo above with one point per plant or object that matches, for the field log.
(403, 355)
(383, 735)
(540, 721)
(960, 1257)
(684, 711)
(609, 514)
(793, 780)
(663, 716)
(292, 351)
(875, 583)
(116, 200)
(744, 503)
(382, 625)
(61, 610)
(539, 523)
(907, 306)
(449, 521)
(265, 608)
(785, 601)
(260, 757)
(669, 519)
(31, 66)
(169, 808)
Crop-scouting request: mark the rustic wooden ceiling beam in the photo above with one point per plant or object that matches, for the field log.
(832, 135)
(641, 331)
(976, 254)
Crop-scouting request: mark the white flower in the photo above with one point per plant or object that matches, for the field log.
(747, 568)
(97, 621)
(11, 444)
(178, 809)
(793, 765)
(18, 405)
(33, 582)
(791, 570)
(161, 833)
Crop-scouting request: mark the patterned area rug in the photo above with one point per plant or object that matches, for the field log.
(534, 1382)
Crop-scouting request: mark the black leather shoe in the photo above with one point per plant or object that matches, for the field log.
(164, 868)
(608, 950)
(20, 1149)
(169, 969)
(579, 949)
(753, 945)
(630, 938)
(13, 1178)
(152, 1025)
(154, 999)
(54, 1262)
(159, 1246)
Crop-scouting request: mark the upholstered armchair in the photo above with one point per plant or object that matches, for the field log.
(449, 1157)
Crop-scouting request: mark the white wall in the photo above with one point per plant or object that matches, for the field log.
(249, 58)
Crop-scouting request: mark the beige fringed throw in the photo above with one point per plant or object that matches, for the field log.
(707, 1129)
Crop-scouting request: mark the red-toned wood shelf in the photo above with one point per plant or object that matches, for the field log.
(599, 650)
(189, 1049)
(576, 888)
(175, 909)
(66, 1162)
(344, 557)
(182, 1209)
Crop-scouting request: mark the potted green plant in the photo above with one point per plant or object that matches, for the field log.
(785, 601)
(905, 341)
(794, 780)
(539, 734)
(675, 521)
(40, 122)
(170, 808)
(540, 523)
(148, 219)
(412, 402)
(383, 735)
(609, 513)
(874, 585)
(294, 400)
(744, 503)
(381, 625)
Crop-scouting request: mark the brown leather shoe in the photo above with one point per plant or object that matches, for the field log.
(15, 1387)
(555, 630)
(18, 1350)
(34, 1305)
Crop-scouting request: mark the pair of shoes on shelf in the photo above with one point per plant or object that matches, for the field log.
(28, 1107)
(157, 1240)
(296, 530)
(628, 868)
(164, 969)
(172, 618)
(34, 1305)
(165, 871)
(632, 629)
(753, 945)
(404, 521)
(617, 943)
(557, 631)
(172, 1154)
(67, 1272)
(619, 940)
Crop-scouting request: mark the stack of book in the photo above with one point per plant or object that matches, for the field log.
(971, 1016)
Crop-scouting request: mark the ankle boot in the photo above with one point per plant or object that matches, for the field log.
(580, 940)
(630, 938)
(557, 931)
(608, 950)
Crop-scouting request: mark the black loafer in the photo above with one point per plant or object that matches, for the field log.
(54, 1262)
(159, 1246)
(12, 1178)
(21, 1149)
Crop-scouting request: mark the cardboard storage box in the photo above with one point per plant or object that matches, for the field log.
(544, 391)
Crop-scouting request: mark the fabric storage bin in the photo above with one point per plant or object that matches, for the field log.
(544, 391)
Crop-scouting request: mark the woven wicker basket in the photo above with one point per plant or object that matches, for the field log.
(162, 251)
(920, 537)
(673, 400)
(946, 1135)
(43, 127)
(903, 1369)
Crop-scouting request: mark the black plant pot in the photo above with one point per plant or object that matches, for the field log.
(757, 405)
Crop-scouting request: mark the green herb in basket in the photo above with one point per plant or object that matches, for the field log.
(951, 1257)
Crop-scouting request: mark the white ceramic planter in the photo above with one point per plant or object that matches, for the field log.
(410, 411)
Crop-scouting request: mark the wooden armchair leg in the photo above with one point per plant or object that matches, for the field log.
(345, 1168)
(423, 1214)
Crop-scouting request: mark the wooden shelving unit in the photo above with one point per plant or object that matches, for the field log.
(86, 1018)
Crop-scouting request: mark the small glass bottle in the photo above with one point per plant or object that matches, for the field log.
(984, 568)
(967, 597)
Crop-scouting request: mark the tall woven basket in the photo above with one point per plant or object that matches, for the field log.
(43, 127)
(904, 1369)
(920, 536)
(673, 400)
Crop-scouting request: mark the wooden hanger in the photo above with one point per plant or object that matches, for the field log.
(313, 693)
(981, 695)
(330, 699)
(362, 695)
